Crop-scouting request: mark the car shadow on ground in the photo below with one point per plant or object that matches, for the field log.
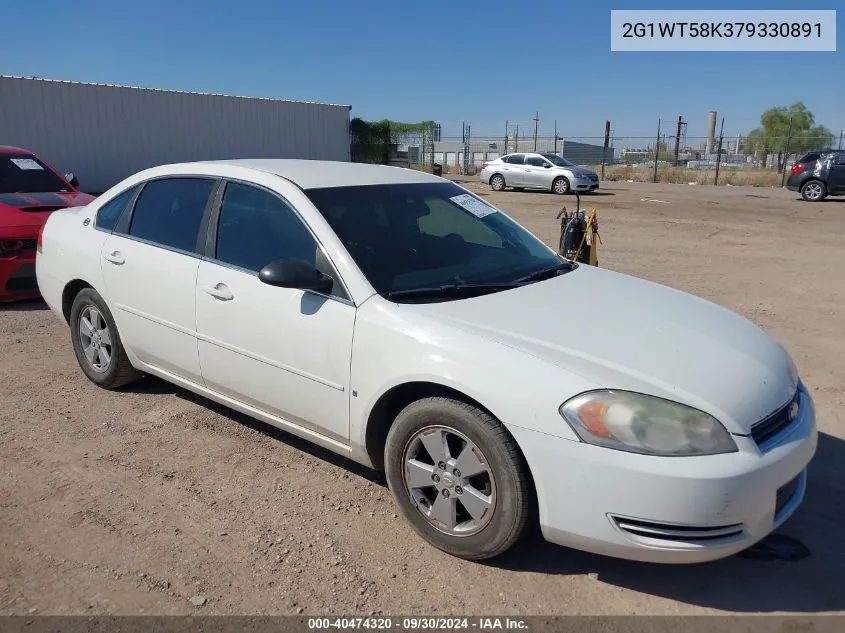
(738, 584)
(157, 386)
(26, 305)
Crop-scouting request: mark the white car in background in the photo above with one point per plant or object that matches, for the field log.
(395, 318)
(543, 171)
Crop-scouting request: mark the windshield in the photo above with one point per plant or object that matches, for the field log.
(426, 235)
(23, 173)
(558, 160)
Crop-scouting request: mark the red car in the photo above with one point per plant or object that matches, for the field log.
(29, 191)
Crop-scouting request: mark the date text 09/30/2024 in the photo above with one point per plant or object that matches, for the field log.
(417, 624)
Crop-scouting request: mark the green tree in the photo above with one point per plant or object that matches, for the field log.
(786, 129)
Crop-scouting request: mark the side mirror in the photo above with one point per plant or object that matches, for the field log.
(71, 178)
(295, 273)
(547, 165)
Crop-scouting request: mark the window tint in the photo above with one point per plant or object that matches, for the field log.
(169, 211)
(110, 212)
(257, 227)
(535, 161)
(442, 221)
(515, 159)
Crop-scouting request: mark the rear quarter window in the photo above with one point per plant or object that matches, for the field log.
(109, 214)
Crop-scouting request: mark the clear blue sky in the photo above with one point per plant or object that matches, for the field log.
(483, 62)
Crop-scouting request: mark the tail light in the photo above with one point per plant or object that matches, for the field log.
(40, 239)
(484, 165)
(797, 169)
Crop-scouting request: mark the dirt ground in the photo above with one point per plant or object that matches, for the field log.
(137, 502)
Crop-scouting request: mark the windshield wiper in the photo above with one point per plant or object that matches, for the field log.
(546, 272)
(456, 290)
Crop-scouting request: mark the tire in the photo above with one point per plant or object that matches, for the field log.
(813, 191)
(497, 182)
(560, 185)
(90, 318)
(500, 496)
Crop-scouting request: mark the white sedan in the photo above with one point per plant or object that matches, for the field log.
(398, 319)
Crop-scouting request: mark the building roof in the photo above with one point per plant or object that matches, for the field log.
(314, 174)
(187, 92)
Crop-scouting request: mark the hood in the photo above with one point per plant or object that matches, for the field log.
(32, 209)
(622, 332)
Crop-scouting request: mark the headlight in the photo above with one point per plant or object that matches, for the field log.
(637, 423)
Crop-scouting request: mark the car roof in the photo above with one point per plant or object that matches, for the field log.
(11, 149)
(315, 174)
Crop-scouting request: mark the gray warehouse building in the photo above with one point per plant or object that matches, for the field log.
(104, 133)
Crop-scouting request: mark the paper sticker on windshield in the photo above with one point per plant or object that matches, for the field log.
(26, 163)
(472, 204)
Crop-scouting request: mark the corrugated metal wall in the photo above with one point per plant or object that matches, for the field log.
(105, 133)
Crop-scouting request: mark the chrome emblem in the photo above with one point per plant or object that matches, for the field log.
(793, 411)
(86, 221)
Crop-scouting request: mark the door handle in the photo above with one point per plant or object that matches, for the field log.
(220, 291)
(114, 257)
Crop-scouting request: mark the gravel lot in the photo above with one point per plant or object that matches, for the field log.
(140, 501)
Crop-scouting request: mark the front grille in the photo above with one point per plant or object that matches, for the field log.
(23, 280)
(785, 493)
(26, 247)
(676, 533)
(768, 428)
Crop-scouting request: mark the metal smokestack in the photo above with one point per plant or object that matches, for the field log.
(711, 132)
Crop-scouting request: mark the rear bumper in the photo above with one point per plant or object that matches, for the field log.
(668, 510)
(17, 278)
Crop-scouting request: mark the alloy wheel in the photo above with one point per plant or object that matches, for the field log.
(95, 338)
(813, 191)
(449, 480)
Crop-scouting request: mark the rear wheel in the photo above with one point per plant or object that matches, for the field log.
(561, 185)
(97, 344)
(813, 191)
(497, 182)
(458, 477)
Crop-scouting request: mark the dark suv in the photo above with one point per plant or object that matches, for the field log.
(818, 175)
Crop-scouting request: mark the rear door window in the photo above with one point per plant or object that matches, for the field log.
(169, 212)
(535, 161)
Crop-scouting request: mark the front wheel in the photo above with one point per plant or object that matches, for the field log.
(497, 182)
(96, 343)
(813, 191)
(458, 477)
(561, 185)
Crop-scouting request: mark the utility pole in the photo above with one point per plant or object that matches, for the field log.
(606, 145)
(841, 132)
(786, 153)
(719, 152)
(656, 151)
(536, 123)
(678, 138)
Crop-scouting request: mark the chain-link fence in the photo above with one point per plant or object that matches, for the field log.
(667, 156)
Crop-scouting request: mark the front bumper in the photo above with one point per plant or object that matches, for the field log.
(17, 278)
(584, 184)
(668, 509)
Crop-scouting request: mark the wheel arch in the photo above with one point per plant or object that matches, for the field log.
(69, 292)
(493, 175)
